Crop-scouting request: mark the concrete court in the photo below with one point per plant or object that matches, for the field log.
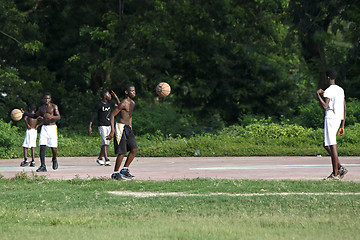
(169, 168)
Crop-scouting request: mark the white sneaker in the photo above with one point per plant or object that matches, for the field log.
(107, 163)
(100, 162)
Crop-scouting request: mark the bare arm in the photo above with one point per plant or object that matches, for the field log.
(116, 97)
(40, 124)
(32, 115)
(26, 122)
(132, 106)
(112, 120)
(93, 114)
(341, 129)
(56, 115)
(323, 104)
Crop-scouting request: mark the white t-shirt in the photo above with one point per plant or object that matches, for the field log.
(336, 104)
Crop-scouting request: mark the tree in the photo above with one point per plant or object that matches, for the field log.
(18, 38)
(312, 21)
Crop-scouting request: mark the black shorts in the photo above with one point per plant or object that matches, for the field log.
(127, 141)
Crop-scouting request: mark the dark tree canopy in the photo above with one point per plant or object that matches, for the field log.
(223, 58)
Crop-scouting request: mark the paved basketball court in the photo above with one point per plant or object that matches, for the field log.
(294, 168)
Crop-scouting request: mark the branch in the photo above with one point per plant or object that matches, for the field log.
(33, 9)
(10, 37)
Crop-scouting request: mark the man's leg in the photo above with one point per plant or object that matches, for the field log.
(100, 161)
(25, 162)
(125, 171)
(107, 160)
(130, 157)
(54, 158)
(32, 163)
(334, 159)
(116, 175)
(25, 153)
(101, 154)
(104, 150)
(33, 154)
(328, 149)
(42, 167)
(118, 162)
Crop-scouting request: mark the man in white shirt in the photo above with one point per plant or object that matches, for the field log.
(333, 101)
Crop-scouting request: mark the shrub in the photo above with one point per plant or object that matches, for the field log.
(9, 138)
(352, 111)
(158, 118)
(311, 115)
(76, 110)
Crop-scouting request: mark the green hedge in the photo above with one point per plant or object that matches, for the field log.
(260, 138)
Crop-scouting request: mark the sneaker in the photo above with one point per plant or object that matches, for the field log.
(116, 176)
(100, 162)
(55, 164)
(125, 173)
(107, 162)
(32, 163)
(24, 163)
(342, 171)
(41, 169)
(333, 177)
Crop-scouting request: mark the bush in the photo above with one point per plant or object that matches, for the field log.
(311, 115)
(158, 118)
(352, 111)
(9, 139)
(76, 110)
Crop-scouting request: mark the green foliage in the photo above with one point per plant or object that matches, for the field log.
(224, 59)
(76, 110)
(260, 138)
(256, 139)
(311, 115)
(160, 118)
(352, 111)
(14, 92)
(8, 139)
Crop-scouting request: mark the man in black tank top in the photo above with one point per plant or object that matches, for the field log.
(103, 110)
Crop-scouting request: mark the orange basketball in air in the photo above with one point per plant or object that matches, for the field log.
(163, 89)
(16, 114)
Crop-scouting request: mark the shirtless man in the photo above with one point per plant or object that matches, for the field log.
(30, 137)
(48, 134)
(124, 137)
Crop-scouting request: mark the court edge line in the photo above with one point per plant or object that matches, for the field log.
(181, 194)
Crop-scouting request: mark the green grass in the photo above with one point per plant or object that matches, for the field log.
(38, 208)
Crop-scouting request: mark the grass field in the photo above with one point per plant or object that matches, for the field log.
(38, 208)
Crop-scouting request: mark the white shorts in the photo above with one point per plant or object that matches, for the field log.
(331, 126)
(30, 138)
(49, 136)
(104, 132)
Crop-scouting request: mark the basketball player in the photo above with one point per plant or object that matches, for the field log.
(30, 137)
(49, 112)
(103, 111)
(335, 114)
(124, 137)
